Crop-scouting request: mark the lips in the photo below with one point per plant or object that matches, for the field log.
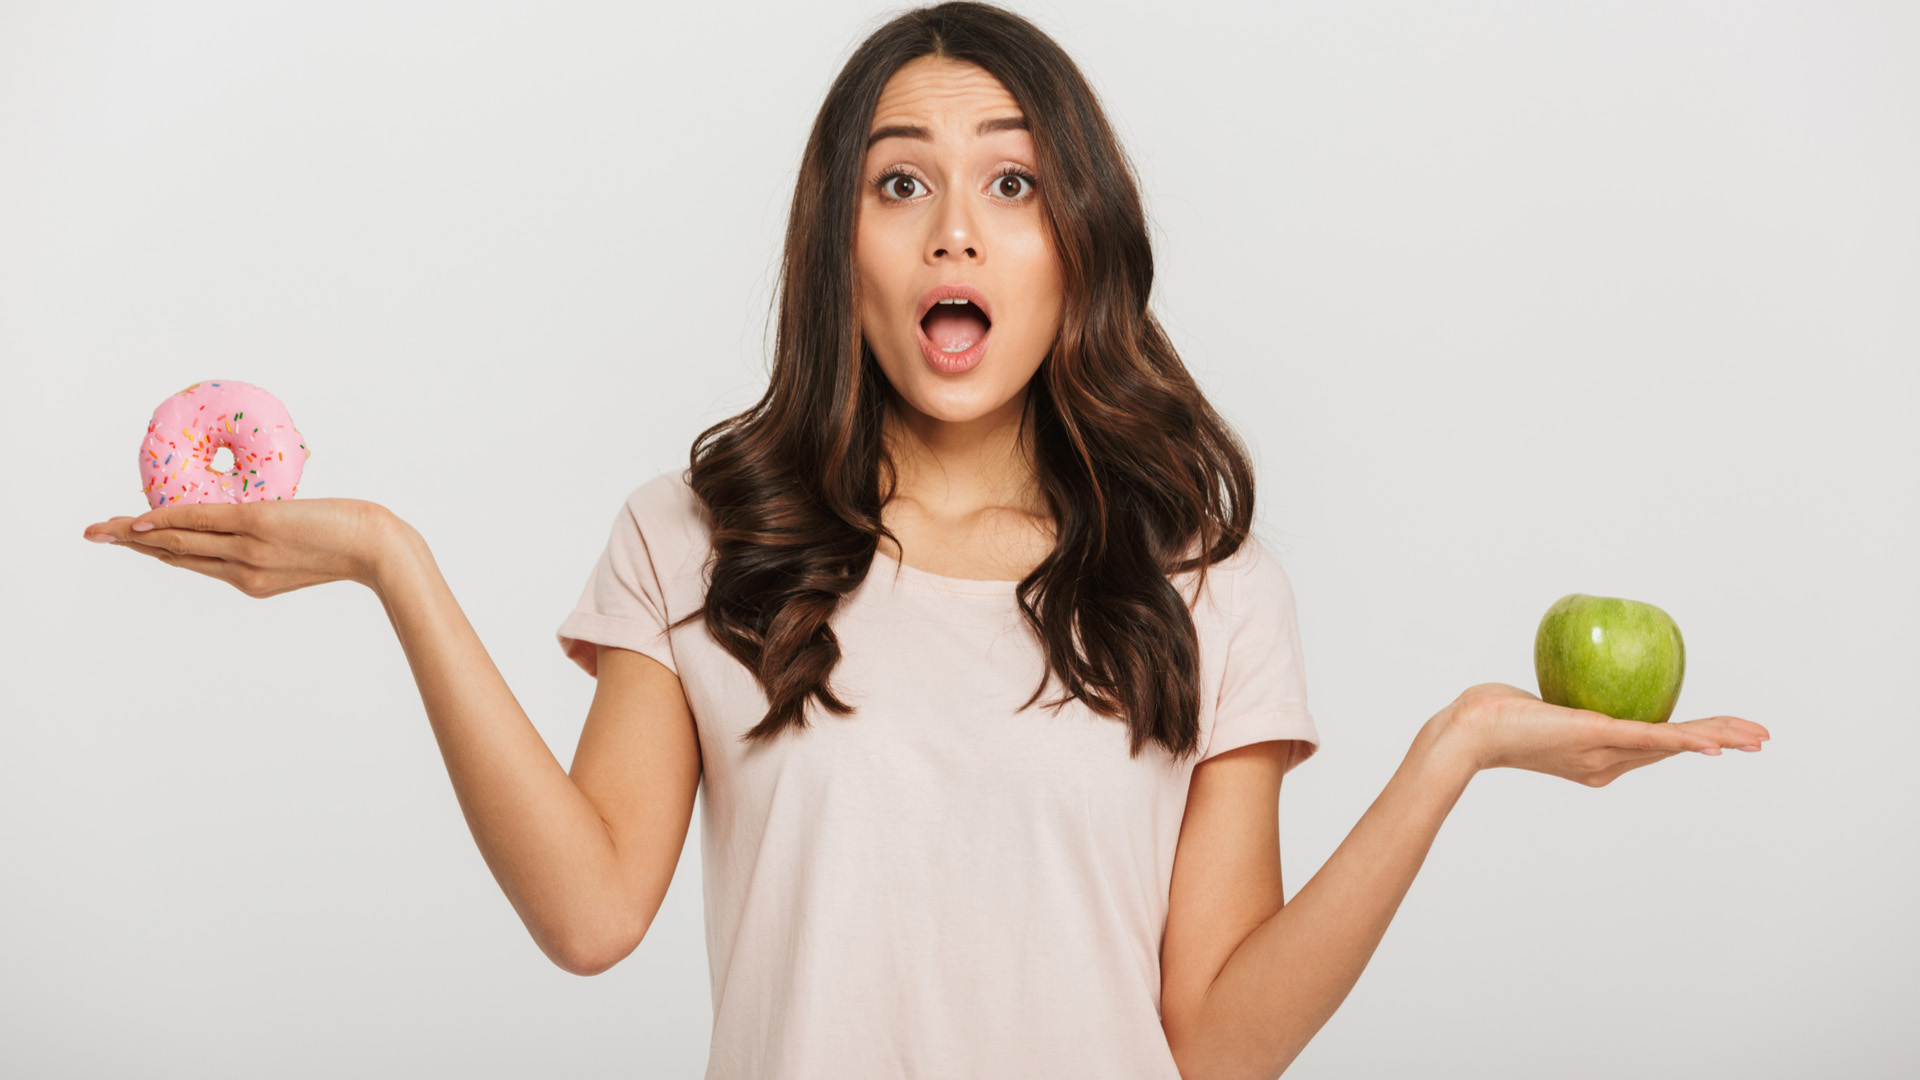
(955, 323)
(952, 291)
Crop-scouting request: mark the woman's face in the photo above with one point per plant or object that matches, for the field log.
(951, 199)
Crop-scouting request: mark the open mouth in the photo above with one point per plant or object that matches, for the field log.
(954, 325)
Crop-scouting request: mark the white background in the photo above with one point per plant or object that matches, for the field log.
(1511, 300)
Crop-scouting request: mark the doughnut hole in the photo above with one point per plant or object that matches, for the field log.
(222, 462)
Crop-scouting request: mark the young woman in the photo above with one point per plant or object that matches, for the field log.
(979, 471)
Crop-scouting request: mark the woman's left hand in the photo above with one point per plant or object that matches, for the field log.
(266, 547)
(1501, 726)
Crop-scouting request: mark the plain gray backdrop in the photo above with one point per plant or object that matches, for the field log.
(1510, 300)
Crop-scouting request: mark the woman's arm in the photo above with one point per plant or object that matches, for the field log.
(1286, 979)
(546, 843)
(549, 847)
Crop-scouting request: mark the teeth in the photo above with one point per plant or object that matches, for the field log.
(953, 300)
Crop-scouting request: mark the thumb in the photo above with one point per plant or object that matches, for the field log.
(204, 517)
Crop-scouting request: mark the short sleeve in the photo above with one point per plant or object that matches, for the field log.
(624, 603)
(1263, 688)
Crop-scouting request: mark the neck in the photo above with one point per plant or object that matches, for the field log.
(959, 469)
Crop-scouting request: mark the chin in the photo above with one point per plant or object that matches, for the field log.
(953, 401)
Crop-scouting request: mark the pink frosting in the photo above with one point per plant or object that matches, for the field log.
(176, 458)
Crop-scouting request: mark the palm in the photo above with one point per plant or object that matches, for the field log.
(261, 548)
(1511, 728)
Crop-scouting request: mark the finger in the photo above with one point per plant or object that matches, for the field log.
(143, 549)
(101, 532)
(1497, 690)
(211, 567)
(1747, 726)
(1635, 761)
(188, 542)
(1608, 776)
(197, 517)
(1638, 735)
(1727, 731)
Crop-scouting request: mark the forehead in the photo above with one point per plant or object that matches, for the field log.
(936, 92)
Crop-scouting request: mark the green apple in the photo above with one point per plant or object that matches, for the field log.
(1618, 657)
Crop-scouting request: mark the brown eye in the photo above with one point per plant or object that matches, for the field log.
(897, 186)
(1010, 185)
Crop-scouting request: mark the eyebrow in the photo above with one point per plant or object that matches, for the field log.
(914, 131)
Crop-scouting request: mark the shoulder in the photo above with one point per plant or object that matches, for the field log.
(666, 492)
(1259, 578)
(667, 505)
(1251, 575)
(665, 519)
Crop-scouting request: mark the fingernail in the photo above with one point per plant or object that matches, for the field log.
(142, 526)
(1708, 750)
(1751, 749)
(100, 538)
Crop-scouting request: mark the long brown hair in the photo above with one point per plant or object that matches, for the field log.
(1143, 478)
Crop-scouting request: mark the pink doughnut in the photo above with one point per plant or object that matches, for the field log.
(176, 459)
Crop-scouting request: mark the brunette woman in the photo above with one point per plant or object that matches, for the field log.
(963, 631)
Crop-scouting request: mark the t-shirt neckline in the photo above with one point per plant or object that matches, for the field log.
(928, 579)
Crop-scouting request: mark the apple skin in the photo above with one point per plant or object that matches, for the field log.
(1613, 656)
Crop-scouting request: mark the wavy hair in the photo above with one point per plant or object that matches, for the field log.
(1142, 476)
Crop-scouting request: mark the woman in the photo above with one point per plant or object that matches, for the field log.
(910, 868)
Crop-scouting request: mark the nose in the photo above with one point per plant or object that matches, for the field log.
(955, 234)
(961, 247)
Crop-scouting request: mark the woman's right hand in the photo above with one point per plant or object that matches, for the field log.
(1497, 725)
(263, 548)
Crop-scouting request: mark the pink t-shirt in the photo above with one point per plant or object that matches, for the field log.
(935, 886)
